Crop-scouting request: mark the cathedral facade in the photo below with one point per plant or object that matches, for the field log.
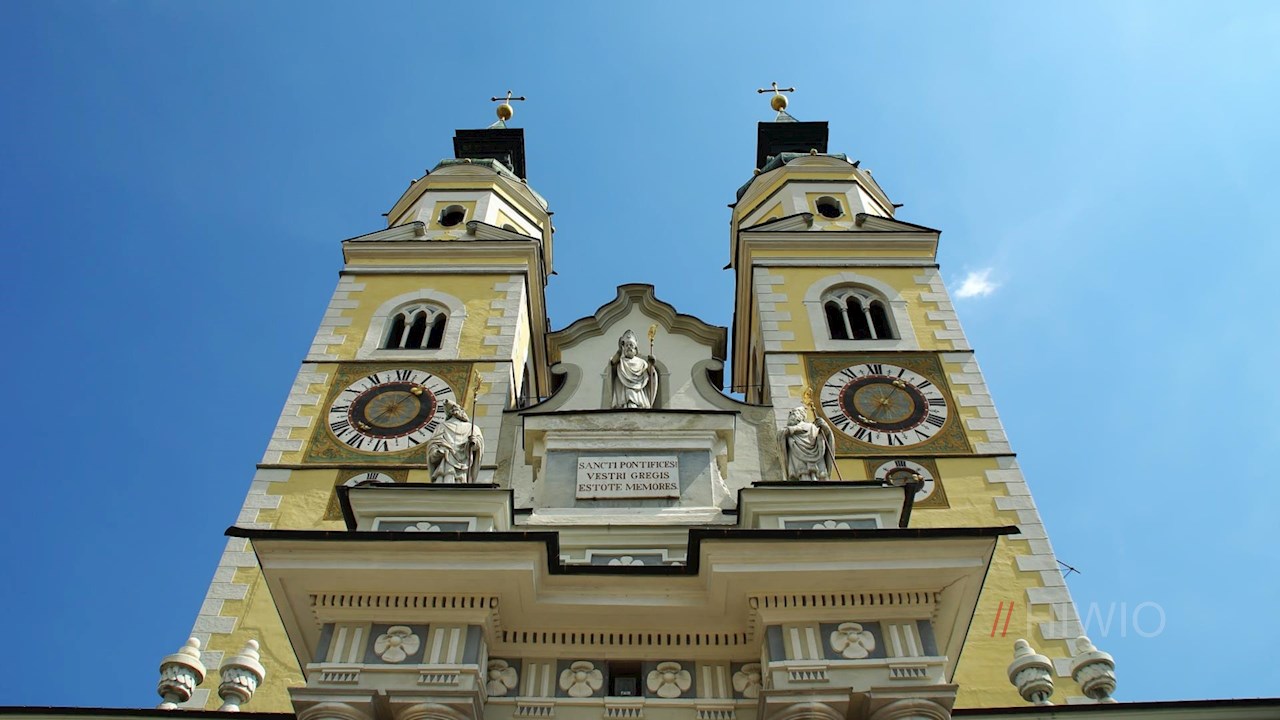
(463, 513)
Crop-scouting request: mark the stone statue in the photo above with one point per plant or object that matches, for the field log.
(634, 379)
(453, 453)
(808, 448)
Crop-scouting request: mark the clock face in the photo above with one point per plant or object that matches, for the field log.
(388, 411)
(369, 477)
(884, 405)
(901, 472)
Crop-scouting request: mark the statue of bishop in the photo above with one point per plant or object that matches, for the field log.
(808, 448)
(634, 379)
(453, 453)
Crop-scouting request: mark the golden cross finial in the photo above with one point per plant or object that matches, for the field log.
(779, 101)
(505, 111)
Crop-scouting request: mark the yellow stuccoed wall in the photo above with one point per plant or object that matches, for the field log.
(475, 291)
(307, 493)
(798, 281)
(971, 496)
(304, 498)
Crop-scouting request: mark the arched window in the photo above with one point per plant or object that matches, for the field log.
(857, 314)
(417, 327)
(452, 215)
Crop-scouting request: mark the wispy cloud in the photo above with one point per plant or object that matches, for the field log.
(977, 284)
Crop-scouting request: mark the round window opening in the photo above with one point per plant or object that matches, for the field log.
(452, 215)
(829, 207)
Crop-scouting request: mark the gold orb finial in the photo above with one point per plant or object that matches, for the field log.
(505, 111)
(779, 101)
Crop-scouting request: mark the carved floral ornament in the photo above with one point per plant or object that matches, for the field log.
(501, 678)
(831, 525)
(626, 560)
(396, 644)
(581, 679)
(669, 680)
(851, 641)
(422, 526)
(747, 680)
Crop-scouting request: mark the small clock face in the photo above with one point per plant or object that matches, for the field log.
(388, 411)
(901, 472)
(884, 405)
(369, 477)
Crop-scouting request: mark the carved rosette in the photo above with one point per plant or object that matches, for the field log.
(396, 644)
(581, 679)
(747, 680)
(851, 641)
(500, 678)
(626, 560)
(669, 680)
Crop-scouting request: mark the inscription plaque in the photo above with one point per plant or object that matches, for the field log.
(628, 476)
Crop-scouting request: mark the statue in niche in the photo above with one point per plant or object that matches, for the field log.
(634, 379)
(808, 448)
(453, 453)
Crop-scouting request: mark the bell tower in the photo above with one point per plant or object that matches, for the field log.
(840, 308)
(445, 306)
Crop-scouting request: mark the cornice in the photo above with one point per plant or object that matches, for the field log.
(519, 192)
(642, 295)
(860, 242)
(410, 248)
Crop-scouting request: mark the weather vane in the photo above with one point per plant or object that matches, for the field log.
(505, 111)
(779, 101)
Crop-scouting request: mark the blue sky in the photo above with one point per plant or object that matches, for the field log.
(175, 179)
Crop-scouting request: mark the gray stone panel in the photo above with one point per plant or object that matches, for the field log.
(927, 641)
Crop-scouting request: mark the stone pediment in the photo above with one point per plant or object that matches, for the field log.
(683, 347)
(588, 455)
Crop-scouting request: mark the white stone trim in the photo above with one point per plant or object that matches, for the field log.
(457, 314)
(509, 303)
(1053, 595)
(786, 382)
(942, 311)
(332, 331)
(813, 299)
(236, 554)
(768, 295)
(291, 417)
(971, 391)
